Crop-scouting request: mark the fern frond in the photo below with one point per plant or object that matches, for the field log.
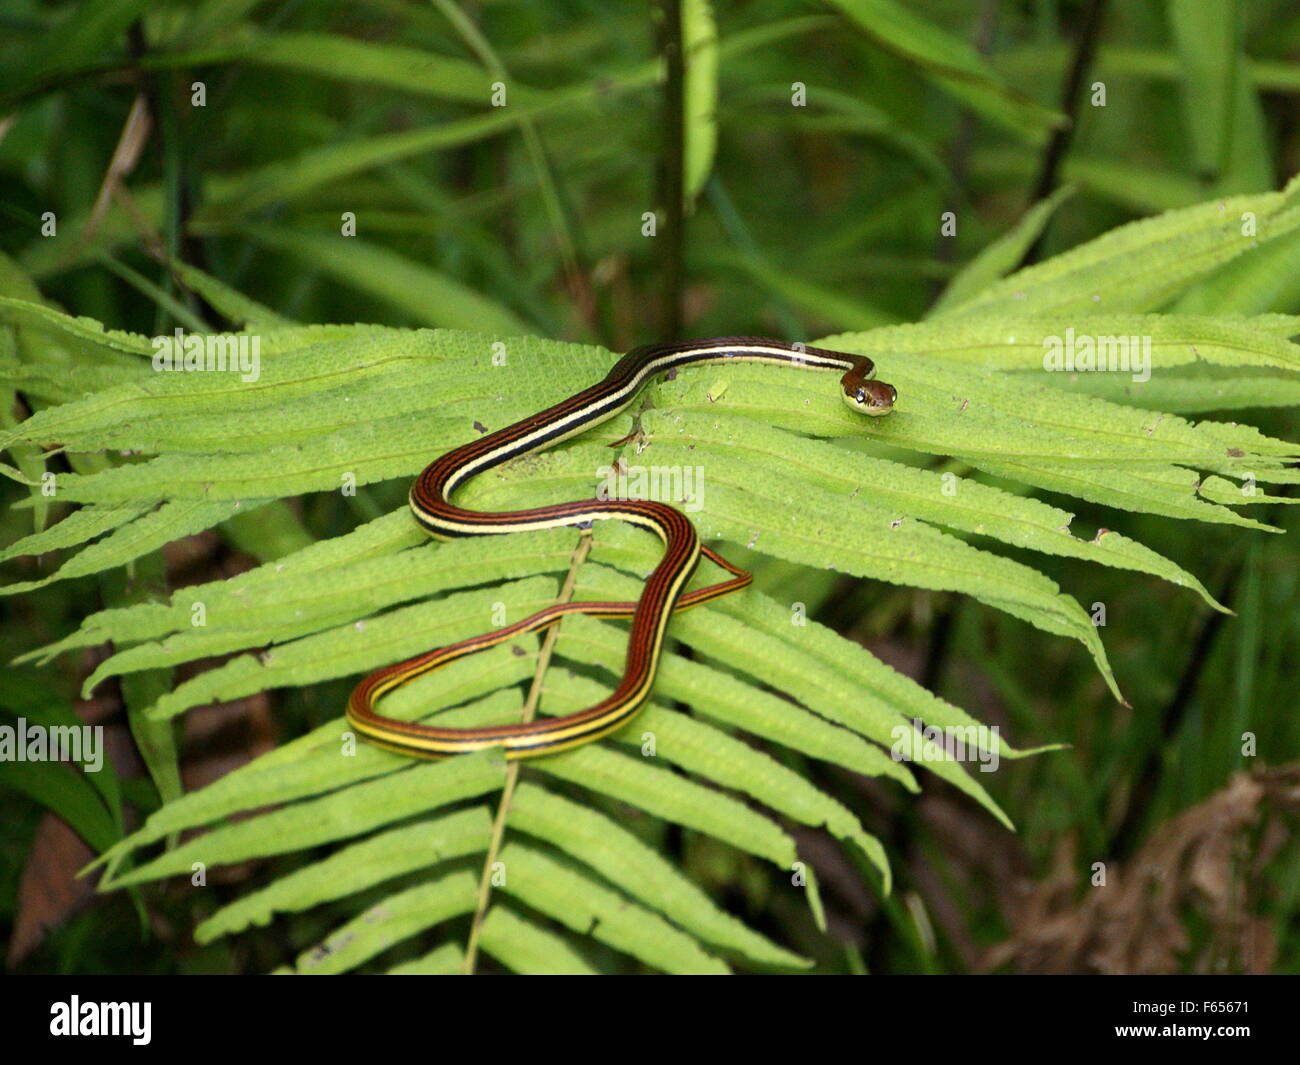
(930, 497)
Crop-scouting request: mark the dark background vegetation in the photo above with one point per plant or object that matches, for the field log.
(814, 220)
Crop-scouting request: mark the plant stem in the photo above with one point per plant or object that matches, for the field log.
(1084, 51)
(673, 158)
(512, 769)
(1123, 840)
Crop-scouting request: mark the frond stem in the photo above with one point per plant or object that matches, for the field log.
(512, 768)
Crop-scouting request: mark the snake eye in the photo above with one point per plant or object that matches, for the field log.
(860, 395)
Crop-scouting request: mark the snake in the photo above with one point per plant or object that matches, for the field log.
(664, 592)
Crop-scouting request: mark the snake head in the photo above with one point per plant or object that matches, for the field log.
(873, 398)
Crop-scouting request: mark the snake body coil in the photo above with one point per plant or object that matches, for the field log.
(664, 590)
